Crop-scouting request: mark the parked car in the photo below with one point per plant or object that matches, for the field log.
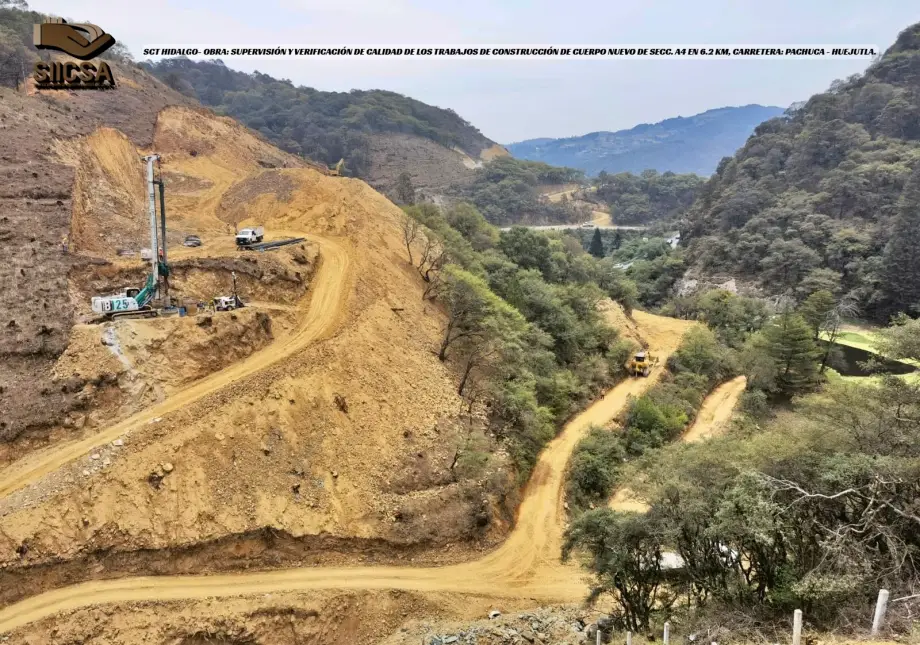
(192, 240)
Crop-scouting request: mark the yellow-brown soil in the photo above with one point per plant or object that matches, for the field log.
(342, 422)
(525, 566)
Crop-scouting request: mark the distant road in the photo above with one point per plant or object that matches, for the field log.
(563, 227)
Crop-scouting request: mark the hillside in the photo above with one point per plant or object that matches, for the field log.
(379, 134)
(826, 197)
(36, 201)
(647, 197)
(314, 426)
(692, 144)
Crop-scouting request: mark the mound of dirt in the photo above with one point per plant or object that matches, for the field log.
(626, 324)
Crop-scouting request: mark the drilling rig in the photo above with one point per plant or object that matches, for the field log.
(138, 303)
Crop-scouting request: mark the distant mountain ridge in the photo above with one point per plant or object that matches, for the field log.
(681, 144)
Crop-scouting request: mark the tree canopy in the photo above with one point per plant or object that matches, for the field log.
(824, 194)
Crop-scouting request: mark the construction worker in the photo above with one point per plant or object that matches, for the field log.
(64, 243)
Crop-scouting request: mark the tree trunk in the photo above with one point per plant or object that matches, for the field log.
(468, 368)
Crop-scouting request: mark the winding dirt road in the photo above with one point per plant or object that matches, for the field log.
(525, 566)
(322, 313)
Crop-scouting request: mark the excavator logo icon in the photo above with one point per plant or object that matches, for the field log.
(83, 41)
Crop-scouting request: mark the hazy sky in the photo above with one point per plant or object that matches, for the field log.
(514, 100)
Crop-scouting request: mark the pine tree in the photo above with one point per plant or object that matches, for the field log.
(789, 343)
(901, 262)
(617, 240)
(597, 244)
(816, 310)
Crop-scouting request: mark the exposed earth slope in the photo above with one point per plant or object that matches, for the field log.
(379, 134)
(526, 566)
(35, 210)
(326, 433)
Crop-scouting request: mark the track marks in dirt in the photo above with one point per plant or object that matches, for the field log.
(525, 566)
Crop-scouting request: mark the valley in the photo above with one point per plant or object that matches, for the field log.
(281, 365)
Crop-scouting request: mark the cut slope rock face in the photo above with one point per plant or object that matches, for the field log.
(308, 447)
(35, 212)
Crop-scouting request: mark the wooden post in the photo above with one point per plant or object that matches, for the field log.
(797, 627)
(880, 606)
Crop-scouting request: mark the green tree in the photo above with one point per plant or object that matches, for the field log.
(623, 552)
(597, 244)
(816, 311)
(787, 262)
(901, 260)
(471, 308)
(594, 468)
(405, 191)
(15, 59)
(901, 339)
(473, 226)
(791, 347)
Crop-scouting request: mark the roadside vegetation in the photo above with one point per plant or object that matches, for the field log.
(523, 332)
(807, 503)
(647, 197)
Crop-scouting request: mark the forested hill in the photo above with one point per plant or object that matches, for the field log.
(828, 195)
(682, 145)
(328, 126)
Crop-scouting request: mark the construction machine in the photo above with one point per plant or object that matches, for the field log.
(228, 303)
(641, 364)
(132, 302)
(336, 171)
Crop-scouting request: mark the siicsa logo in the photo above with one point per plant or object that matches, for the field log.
(81, 40)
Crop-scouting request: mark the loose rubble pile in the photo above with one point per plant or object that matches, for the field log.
(556, 626)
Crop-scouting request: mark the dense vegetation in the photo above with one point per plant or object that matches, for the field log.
(523, 331)
(648, 196)
(684, 145)
(506, 191)
(653, 419)
(828, 194)
(811, 507)
(322, 126)
(652, 264)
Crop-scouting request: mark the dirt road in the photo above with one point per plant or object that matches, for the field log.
(525, 566)
(322, 312)
(711, 420)
(716, 410)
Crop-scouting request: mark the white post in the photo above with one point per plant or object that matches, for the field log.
(667, 633)
(797, 627)
(628, 638)
(598, 637)
(880, 606)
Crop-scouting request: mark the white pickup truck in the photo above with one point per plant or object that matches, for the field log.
(249, 236)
